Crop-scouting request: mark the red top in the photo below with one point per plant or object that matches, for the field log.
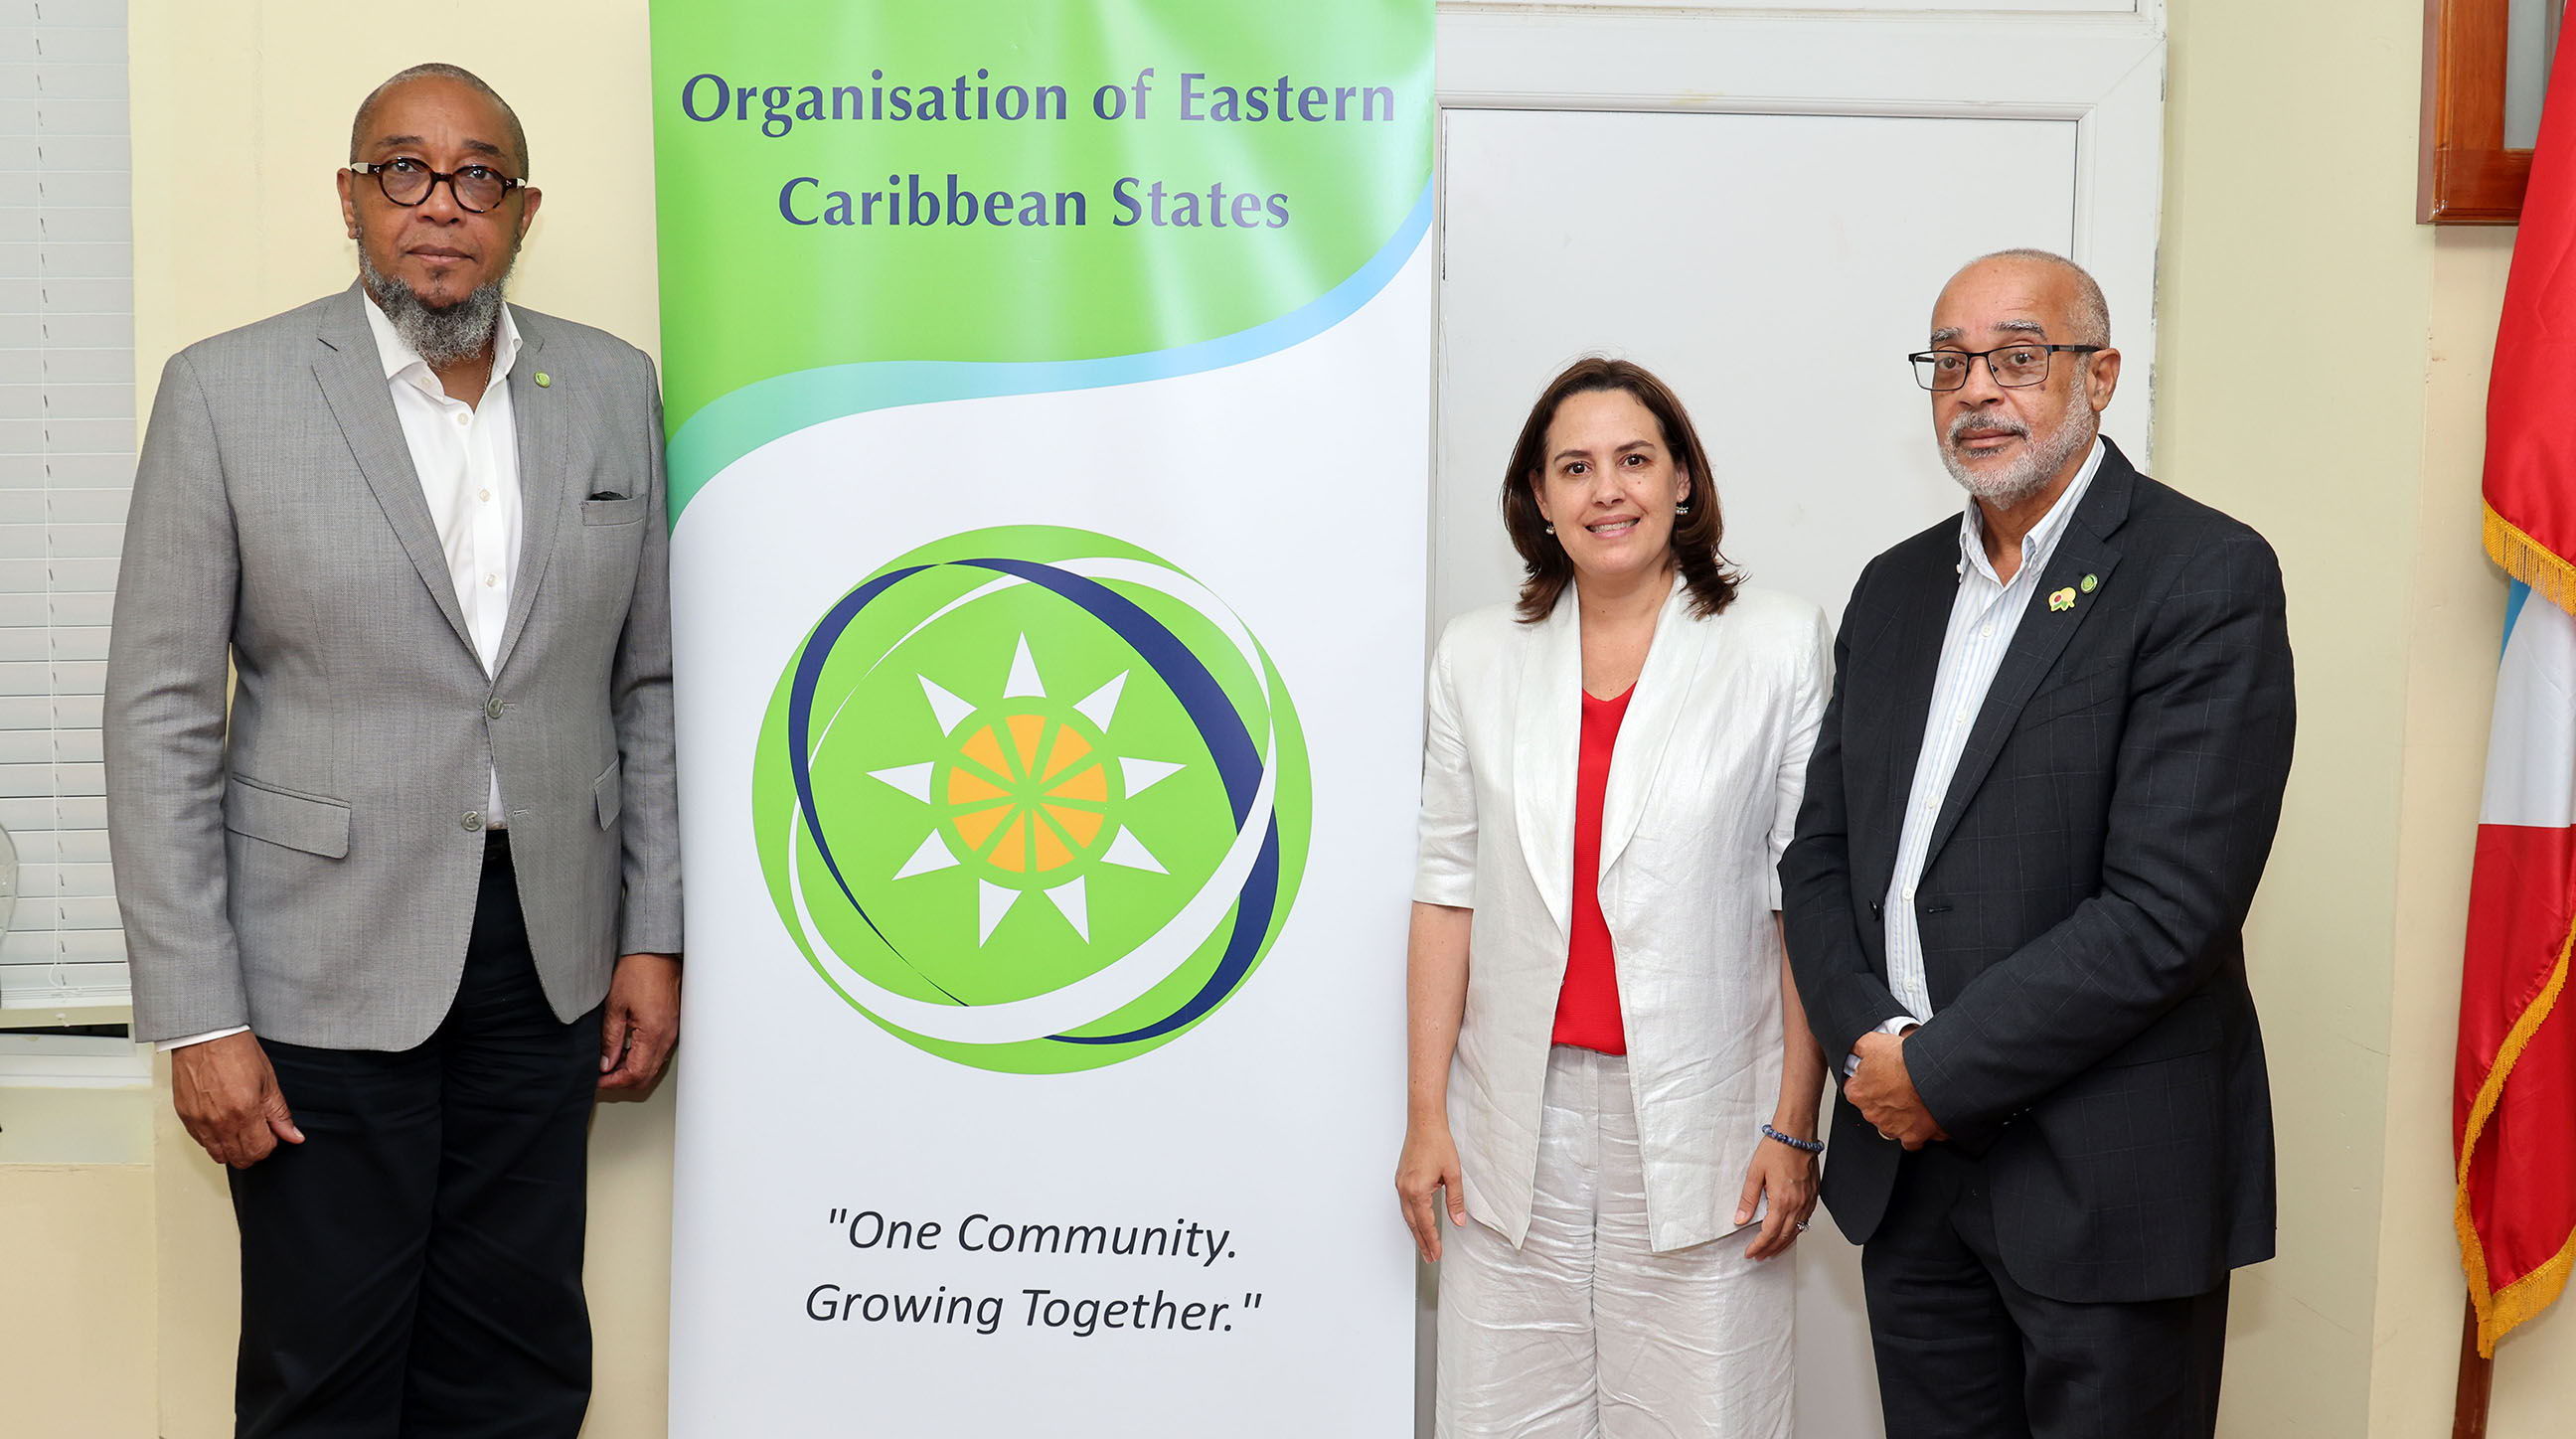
(1587, 1009)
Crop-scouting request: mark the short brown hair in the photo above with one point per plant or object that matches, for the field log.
(1696, 536)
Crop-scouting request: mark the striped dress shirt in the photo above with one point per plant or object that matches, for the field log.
(1983, 618)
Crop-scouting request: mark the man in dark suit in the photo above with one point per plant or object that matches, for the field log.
(2035, 818)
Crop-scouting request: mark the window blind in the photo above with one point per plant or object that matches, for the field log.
(66, 468)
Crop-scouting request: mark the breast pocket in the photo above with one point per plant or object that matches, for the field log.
(614, 512)
(2093, 693)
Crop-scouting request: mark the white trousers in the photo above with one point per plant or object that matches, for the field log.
(1584, 1332)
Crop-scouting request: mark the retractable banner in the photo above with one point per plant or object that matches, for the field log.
(1048, 387)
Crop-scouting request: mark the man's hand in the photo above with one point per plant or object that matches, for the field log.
(226, 1095)
(1884, 1092)
(642, 1022)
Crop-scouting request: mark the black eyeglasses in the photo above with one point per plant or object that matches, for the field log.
(2013, 366)
(407, 182)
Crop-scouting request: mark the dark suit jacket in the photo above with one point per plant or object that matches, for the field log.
(2083, 902)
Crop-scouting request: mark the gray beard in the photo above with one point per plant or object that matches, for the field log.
(2040, 460)
(442, 336)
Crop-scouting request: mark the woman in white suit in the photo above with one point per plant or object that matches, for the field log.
(1611, 1077)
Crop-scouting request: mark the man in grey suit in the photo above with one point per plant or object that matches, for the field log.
(405, 916)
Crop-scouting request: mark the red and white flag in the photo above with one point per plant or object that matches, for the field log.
(2514, 1088)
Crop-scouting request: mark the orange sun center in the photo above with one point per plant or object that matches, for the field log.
(1029, 793)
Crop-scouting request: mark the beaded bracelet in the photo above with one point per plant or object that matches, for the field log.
(1811, 1146)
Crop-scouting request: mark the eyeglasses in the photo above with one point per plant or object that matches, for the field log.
(2013, 366)
(407, 182)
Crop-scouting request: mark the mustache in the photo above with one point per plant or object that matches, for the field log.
(1991, 424)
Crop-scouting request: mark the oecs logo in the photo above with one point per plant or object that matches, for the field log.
(1032, 800)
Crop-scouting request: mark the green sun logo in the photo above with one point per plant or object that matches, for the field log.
(1032, 799)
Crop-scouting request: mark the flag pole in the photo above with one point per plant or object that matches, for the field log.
(2477, 1380)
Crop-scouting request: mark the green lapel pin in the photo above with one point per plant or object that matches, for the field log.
(2091, 584)
(544, 379)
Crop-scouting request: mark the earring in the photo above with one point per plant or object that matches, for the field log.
(1683, 508)
(1551, 529)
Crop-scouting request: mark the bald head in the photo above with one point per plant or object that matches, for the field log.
(2083, 317)
(440, 73)
(2022, 409)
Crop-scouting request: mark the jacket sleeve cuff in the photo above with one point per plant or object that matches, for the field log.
(650, 937)
(1894, 1024)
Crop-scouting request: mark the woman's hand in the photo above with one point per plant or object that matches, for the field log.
(1788, 1176)
(1429, 1167)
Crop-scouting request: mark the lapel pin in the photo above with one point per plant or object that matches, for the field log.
(2062, 600)
(2091, 584)
(544, 379)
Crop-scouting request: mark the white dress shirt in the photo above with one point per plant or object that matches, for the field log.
(1984, 615)
(467, 458)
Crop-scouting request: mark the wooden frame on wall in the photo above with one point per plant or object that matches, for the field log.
(2465, 175)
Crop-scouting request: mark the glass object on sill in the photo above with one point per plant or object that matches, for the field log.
(2531, 39)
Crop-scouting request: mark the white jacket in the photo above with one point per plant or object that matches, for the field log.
(1702, 797)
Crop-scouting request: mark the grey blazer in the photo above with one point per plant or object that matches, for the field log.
(311, 871)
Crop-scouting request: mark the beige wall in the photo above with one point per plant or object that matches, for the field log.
(2320, 374)
(2295, 294)
(75, 1330)
(76, 1282)
(2323, 375)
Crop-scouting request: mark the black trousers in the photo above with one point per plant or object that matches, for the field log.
(412, 1270)
(1966, 1353)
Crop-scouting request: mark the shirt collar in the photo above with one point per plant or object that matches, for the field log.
(399, 358)
(2041, 542)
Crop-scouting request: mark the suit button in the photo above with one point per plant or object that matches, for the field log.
(494, 709)
(473, 819)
